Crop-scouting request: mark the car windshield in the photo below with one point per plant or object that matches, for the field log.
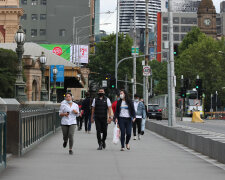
(153, 107)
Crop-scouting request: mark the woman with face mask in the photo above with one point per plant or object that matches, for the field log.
(69, 111)
(125, 115)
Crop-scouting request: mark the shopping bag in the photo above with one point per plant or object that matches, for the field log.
(116, 134)
(143, 124)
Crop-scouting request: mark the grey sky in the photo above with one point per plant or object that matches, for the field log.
(110, 5)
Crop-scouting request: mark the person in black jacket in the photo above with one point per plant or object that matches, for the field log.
(86, 112)
(101, 110)
(125, 115)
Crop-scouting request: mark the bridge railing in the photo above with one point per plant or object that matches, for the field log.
(2, 140)
(35, 125)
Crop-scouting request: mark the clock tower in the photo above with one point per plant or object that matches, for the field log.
(207, 18)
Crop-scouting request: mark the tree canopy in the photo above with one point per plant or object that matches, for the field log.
(8, 71)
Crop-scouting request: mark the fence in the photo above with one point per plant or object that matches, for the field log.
(2, 140)
(35, 125)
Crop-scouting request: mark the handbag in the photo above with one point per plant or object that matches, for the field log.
(116, 134)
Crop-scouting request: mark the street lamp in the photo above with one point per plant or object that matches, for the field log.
(20, 84)
(54, 95)
(44, 92)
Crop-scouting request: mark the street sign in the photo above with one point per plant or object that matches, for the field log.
(104, 83)
(135, 50)
(146, 71)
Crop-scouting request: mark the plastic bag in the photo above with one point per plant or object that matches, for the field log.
(116, 134)
(143, 124)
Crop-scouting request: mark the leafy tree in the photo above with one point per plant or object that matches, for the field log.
(8, 71)
(103, 62)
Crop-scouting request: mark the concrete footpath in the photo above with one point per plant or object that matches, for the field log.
(152, 157)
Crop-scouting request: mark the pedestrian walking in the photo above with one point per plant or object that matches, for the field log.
(115, 102)
(86, 112)
(140, 113)
(69, 111)
(79, 118)
(143, 122)
(101, 111)
(125, 115)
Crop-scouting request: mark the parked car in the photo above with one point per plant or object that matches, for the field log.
(154, 112)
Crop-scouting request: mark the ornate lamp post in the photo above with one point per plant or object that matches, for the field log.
(44, 92)
(20, 84)
(54, 95)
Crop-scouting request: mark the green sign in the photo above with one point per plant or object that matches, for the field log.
(62, 50)
(135, 51)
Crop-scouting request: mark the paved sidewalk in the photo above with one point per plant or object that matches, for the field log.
(152, 158)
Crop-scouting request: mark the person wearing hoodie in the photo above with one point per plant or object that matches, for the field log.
(69, 111)
(140, 113)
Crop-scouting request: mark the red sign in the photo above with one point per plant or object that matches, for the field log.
(57, 50)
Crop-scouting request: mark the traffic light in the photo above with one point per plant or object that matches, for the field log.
(182, 92)
(198, 86)
(175, 49)
(112, 83)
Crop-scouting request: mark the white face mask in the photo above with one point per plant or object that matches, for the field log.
(69, 102)
(121, 96)
(136, 100)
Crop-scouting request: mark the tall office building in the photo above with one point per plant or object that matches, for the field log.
(222, 7)
(126, 21)
(51, 21)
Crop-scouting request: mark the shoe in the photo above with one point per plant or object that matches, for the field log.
(122, 149)
(128, 146)
(70, 152)
(103, 145)
(85, 131)
(139, 137)
(142, 132)
(135, 137)
(64, 144)
(100, 147)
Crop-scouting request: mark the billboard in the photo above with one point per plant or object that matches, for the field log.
(60, 74)
(73, 53)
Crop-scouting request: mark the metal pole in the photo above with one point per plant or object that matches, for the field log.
(146, 52)
(135, 60)
(116, 55)
(216, 100)
(76, 50)
(182, 99)
(126, 87)
(73, 51)
(172, 110)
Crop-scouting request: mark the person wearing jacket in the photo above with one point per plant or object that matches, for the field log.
(125, 114)
(86, 112)
(140, 113)
(69, 111)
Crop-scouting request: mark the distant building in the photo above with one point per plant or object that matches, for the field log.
(222, 7)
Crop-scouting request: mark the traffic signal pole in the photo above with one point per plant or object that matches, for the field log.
(117, 26)
(135, 60)
(146, 52)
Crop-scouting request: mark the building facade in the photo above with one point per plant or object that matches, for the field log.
(222, 7)
(51, 21)
(9, 20)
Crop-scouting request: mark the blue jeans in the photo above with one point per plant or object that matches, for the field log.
(125, 125)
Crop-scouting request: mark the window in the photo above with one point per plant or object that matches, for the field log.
(182, 36)
(33, 32)
(43, 16)
(42, 32)
(34, 2)
(186, 28)
(176, 20)
(62, 32)
(43, 2)
(24, 17)
(165, 20)
(165, 28)
(176, 37)
(176, 28)
(188, 20)
(34, 17)
(24, 2)
(165, 37)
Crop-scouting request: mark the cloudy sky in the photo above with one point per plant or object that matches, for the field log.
(110, 5)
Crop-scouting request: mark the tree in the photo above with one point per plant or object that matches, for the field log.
(201, 58)
(8, 72)
(103, 62)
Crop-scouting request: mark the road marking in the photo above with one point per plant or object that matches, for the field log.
(191, 151)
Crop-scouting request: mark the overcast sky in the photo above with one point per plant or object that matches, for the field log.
(110, 5)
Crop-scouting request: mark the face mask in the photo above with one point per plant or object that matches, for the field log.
(121, 96)
(136, 100)
(69, 102)
(100, 94)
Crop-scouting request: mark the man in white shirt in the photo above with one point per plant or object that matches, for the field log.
(101, 110)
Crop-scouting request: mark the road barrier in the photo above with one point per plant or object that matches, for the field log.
(2, 140)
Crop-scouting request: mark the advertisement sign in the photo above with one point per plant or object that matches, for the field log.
(62, 50)
(79, 53)
(60, 74)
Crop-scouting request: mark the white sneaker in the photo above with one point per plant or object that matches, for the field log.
(135, 137)
(139, 137)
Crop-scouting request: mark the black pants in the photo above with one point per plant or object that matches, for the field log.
(101, 128)
(79, 122)
(87, 122)
(137, 125)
